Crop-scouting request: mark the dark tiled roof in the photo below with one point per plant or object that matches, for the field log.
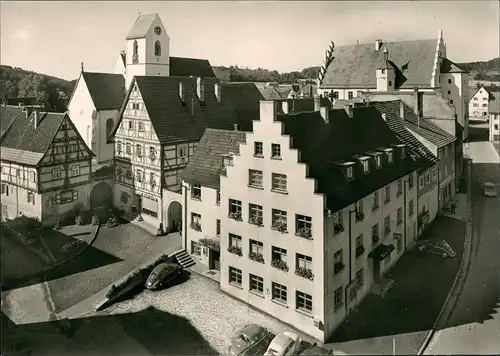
(309, 89)
(397, 125)
(107, 90)
(141, 26)
(302, 104)
(245, 99)
(284, 92)
(175, 121)
(321, 144)
(448, 66)
(185, 67)
(427, 129)
(23, 135)
(354, 66)
(8, 115)
(206, 164)
(270, 93)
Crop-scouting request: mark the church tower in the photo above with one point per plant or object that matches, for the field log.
(386, 76)
(148, 51)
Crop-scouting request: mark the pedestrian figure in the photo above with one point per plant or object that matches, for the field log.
(453, 207)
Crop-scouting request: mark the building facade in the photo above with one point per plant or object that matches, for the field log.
(46, 166)
(478, 103)
(287, 244)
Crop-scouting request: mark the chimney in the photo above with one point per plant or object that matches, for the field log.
(218, 91)
(357, 42)
(349, 109)
(268, 110)
(417, 102)
(181, 91)
(200, 90)
(317, 103)
(235, 127)
(378, 44)
(285, 107)
(401, 109)
(37, 116)
(325, 112)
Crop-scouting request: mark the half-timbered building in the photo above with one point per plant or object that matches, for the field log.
(46, 165)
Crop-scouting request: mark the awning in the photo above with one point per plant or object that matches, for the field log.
(381, 251)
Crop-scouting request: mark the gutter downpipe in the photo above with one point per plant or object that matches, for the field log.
(184, 218)
(347, 301)
(404, 212)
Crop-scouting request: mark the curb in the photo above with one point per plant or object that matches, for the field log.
(458, 284)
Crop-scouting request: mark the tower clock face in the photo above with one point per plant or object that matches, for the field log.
(157, 30)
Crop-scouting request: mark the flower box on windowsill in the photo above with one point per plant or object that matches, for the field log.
(305, 233)
(387, 232)
(255, 220)
(235, 216)
(375, 207)
(257, 257)
(360, 216)
(196, 196)
(235, 250)
(195, 226)
(210, 243)
(280, 264)
(306, 273)
(360, 250)
(152, 157)
(338, 228)
(338, 267)
(280, 227)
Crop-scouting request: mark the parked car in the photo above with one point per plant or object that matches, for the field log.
(440, 248)
(250, 340)
(490, 189)
(316, 350)
(162, 274)
(285, 343)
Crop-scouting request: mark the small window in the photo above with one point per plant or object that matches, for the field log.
(338, 298)
(157, 48)
(279, 182)
(378, 161)
(350, 95)
(256, 215)
(235, 276)
(138, 150)
(141, 126)
(256, 247)
(375, 200)
(182, 151)
(217, 197)
(449, 81)
(195, 248)
(255, 178)
(375, 235)
(303, 225)
(275, 150)
(451, 101)
(390, 83)
(109, 128)
(279, 220)
(366, 166)
(5, 189)
(256, 284)
(360, 278)
(130, 125)
(399, 214)
(428, 177)
(278, 253)
(119, 148)
(421, 181)
(128, 149)
(349, 172)
(234, 240)
(258, 149)
(31, 198)
(449, 92)
(389, 157)
(139, 175)
(387, 194)
(196, 192)
(56, 173)
(400, 187)
(196, 221)
(303, 261)
(387, 225)
(75, 171)
(303, 302)
(217, 227)
(279, 292)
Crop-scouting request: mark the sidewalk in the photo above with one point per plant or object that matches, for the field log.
(410, 308)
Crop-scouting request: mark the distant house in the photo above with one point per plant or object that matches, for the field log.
(349, 71)
(494, 116)
(478, 103)
(29, 100)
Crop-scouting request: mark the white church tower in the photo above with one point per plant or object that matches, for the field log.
(147, 51)
(386, 76)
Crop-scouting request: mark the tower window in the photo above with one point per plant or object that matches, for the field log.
(135, 55)
(157, 48)
(109, 128)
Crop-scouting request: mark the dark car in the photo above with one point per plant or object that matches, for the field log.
(162, 274)
(316, 350)
(250, 340)
(441, 248)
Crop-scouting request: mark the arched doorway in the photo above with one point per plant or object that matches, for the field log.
(101, 195)
(174, 215)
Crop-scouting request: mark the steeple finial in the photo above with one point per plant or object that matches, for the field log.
(386, 54)
(82, 67)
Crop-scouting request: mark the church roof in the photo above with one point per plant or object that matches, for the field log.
(354, 66)
(141, 26)
(107, 90)
(185, 67)
(448, 66)
(175, 121)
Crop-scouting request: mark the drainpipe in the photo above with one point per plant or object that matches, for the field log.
(404, 212)
(184, 221)
(350, 262)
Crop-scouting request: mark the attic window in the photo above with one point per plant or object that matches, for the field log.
(349, 172)
(401, 150)
(390, 158)
(227, 160)
(347, 169)
(366, 165)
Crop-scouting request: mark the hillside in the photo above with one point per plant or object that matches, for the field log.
(482, 66)
(244, 74)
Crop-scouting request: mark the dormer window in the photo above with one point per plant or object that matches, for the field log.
(390, 158)
(347, 168)
(401, 150)
(378, 161)
(227, 160)
(349, 172)
(365, 163)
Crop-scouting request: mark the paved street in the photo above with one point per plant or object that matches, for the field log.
(474, 326)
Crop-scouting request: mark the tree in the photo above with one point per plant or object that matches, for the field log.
(46, 93)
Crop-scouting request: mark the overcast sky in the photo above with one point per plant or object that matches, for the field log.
(54, 37)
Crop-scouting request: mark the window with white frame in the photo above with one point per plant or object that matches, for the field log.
(235, 276)
(279, 219)
(152, 153)
(399, 215)
(234, 240)
(256, 284)
(303, 301)
(278, 253)
(275, 150)
(75, 171)
(421, 181)
(279, 292)
(139, 175)
(182, 151)
(258, 149)
(338, 298)
(196, 221)
(349, 172)
(255, 178)
(378, 161)
(366, 166)
(303, 261)
(128, 149)
(138, 150)
(256, 247)
(31, 198)
(375, 200)
(196, 191)
(303, 223)
(389, 156)
(234, 206)
(56, 173)
(255, 212)
(279, 182)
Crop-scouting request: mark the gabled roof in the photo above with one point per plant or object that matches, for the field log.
(354, 66)
(141, 26)
(106, 90)
(175, 121)
(8, 114)
(309, 89)
(397, 125)
(185, 67)
(270, 93)
(431, 132)
(205, 166)
(245, 99)
(322, 144)
(448, 66)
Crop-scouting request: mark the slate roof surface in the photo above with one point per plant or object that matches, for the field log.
(448, 66)
(302, 104)
(354, 66)
(185, 67)
(245, 99)
(23, 136)
(205, 166)
(270, 93)
(397, 125)
(175, 121)
(427, 129)
(321, 144)
(20, 156)
(141, 26)
(107, 90)
(8, 115)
